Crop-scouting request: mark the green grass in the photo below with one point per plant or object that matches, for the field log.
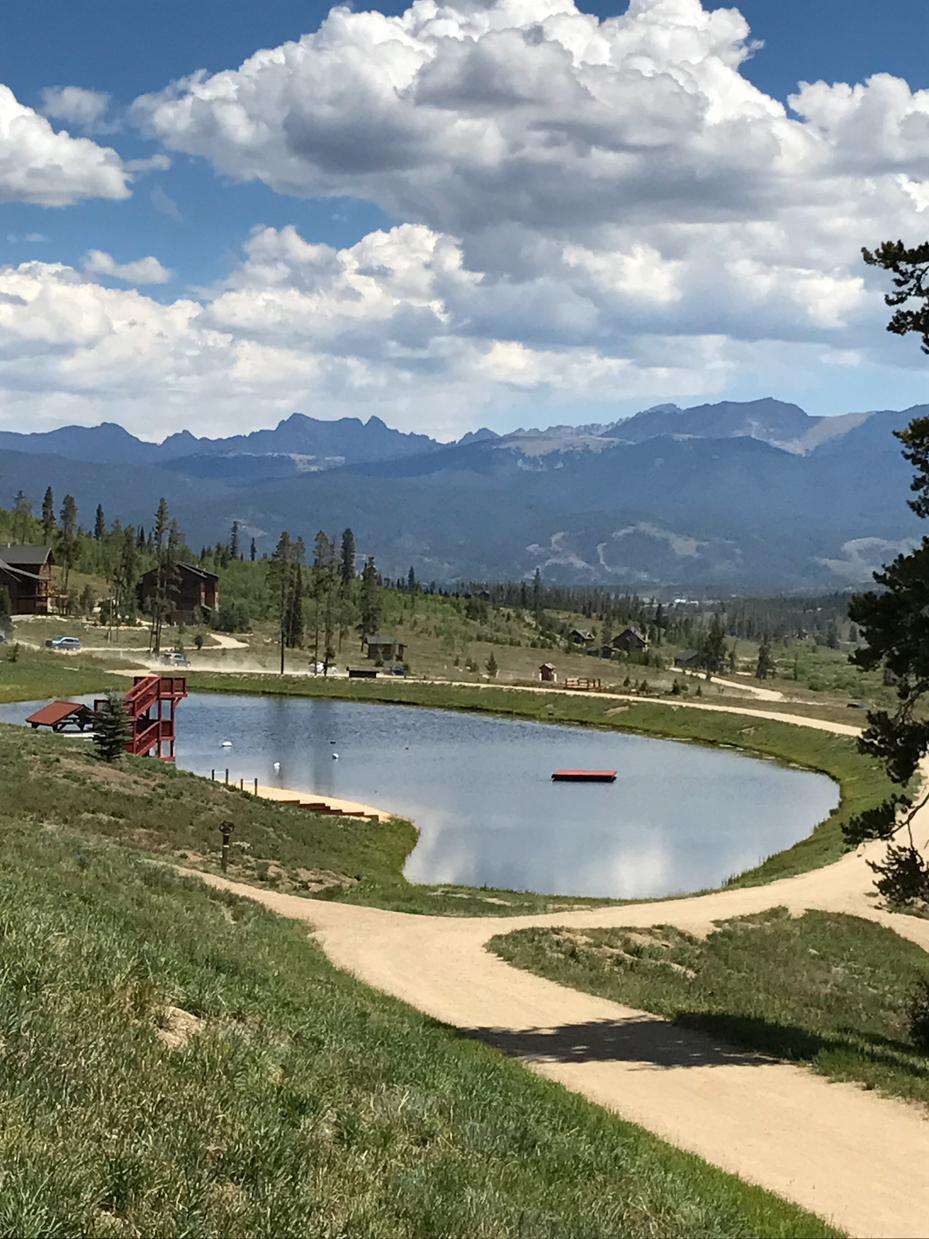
(825, 989)
(161, 810)
(301, 1102)
(862, 783)
(30, 675)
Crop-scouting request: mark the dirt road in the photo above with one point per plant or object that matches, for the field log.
(858, 1159)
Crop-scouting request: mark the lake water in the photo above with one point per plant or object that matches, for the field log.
(679, 816)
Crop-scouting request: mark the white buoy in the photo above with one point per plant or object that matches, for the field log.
(277, 765)
(226, 744)
(335, 757)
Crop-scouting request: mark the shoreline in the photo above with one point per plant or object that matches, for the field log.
(335, 804)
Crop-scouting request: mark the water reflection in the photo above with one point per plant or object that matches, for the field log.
(679, 817)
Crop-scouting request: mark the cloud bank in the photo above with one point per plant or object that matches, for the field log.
(587, 210)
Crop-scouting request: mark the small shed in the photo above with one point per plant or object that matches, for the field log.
(581, 636)
(688, 658)
(631, 641)
(385, 649)
(63, 716)
(548, 674)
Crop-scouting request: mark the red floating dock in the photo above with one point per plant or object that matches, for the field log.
(585, 776)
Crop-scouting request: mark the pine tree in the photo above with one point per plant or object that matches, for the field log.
(285, 581)
(491, 666)
(68, 545)
(253, 551)
(99, 524)
(234, 541)
(49, 524)
(370, 603)
(22, 517)
(166, 539)
(112, 728)
(347, 563)
(765, 665)
(714, 646)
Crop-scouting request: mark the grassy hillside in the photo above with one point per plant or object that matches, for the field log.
(824, 989)
(176, 1061)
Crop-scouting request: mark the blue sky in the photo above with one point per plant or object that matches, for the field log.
(504, 290)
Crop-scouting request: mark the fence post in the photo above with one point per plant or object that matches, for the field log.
(256, 787)
(227, 829)
(227, 776)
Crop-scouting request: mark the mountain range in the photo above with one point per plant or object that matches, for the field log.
(728, 497)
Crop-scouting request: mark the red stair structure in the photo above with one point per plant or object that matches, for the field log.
(151, 704)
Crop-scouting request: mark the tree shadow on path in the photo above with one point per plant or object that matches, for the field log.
(652, 1043)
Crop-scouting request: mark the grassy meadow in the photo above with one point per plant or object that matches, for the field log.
(824, 989)
(179, 1062)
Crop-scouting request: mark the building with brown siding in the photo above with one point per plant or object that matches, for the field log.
(26, 573)
(196, 588)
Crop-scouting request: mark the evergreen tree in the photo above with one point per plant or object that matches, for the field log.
(714, 646)
(765, 665)
(285, 581)
(49, 524)
(326, 574)
(166, 539)
(491, 666)
(112, 728)
(347, 563)
(370, 603)
(68, 544)
(22, 517)
(253, 551)
(234, 541)
(99, 524)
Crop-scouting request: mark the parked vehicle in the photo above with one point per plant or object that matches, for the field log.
(64, 643)
(176, 659)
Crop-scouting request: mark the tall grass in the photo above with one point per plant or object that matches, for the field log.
(178, 1062)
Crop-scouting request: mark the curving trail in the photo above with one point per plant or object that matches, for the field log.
(853, 1157)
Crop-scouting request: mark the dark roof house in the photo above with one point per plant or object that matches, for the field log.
(688, 658)
(631, 641)
(196, 590)
(26, 574)
(581, 636)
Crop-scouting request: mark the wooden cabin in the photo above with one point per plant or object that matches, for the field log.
(631, 641)
(385, 649)
(689, 658)
(26, 574)
(196, 588)
(581, 636)
(548, 674)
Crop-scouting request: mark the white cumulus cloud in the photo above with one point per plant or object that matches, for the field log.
(142, 271)
(52, 169)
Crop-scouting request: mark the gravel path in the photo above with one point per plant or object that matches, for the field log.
(853, 1157)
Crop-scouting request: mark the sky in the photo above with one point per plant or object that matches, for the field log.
(215, 213)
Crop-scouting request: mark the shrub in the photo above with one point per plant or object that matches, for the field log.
(919, 1016)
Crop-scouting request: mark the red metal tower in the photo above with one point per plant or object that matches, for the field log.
(151, 704)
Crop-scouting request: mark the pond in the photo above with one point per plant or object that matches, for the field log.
(679, 816)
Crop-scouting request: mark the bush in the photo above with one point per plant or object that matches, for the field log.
(919, 1017)
(232, 617)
